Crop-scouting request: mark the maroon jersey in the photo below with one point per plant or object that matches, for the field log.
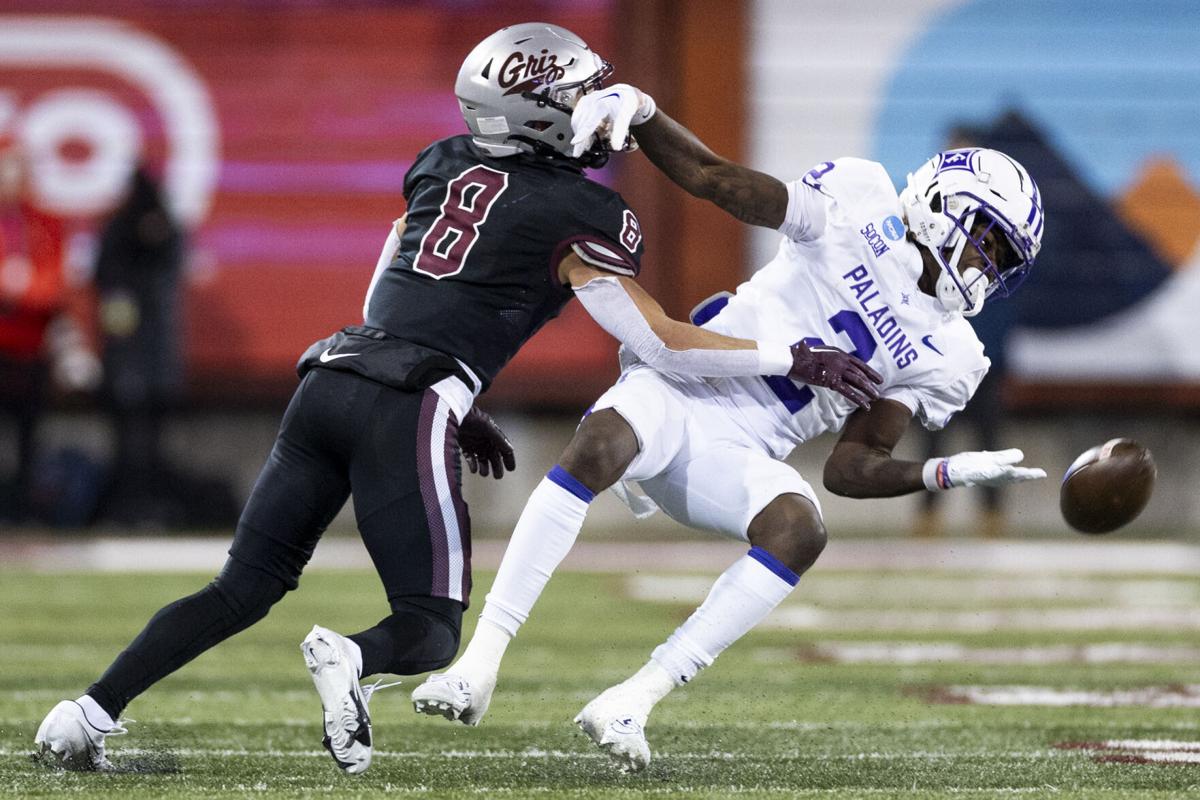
(476, 274)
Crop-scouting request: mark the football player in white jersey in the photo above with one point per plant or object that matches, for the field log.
(889, 277)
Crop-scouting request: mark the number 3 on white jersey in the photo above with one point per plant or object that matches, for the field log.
(795, 396)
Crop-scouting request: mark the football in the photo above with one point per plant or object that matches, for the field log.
(1107, 486)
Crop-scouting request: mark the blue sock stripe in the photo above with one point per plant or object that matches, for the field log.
(569, 482)
(775, 565)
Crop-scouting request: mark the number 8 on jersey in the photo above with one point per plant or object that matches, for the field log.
(448, 242)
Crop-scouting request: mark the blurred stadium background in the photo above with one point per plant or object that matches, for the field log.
(280, 133)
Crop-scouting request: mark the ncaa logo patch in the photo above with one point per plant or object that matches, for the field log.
(893, 228)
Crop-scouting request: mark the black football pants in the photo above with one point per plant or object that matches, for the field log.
(397, 453)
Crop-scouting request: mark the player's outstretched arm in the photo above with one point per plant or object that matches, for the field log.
(861, 464)
(752, 196)
(633, 317)
(627, 312)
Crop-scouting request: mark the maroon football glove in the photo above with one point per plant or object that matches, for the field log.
(822, 365)
(484, 445)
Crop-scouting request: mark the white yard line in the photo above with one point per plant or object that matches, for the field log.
(1147, 697)
(560, 755)
(1099, 618)
(1139, 751)
(1185, 757)
(905, 653)
(941, 590)
(564, 723)
(1152, 744)
(206, 554)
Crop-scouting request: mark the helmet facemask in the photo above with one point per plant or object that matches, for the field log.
(967, 289)
(562, 97)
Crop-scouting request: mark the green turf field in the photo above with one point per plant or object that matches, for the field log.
(813, 707)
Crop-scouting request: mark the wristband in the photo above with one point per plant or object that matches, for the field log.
(936, 474)
(774, 359)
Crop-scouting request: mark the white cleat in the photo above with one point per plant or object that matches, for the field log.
(67, 738)
(344, 702)
(454, 697)
(617, 730)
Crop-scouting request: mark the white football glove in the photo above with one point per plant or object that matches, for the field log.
(985, 468)
(608, 113)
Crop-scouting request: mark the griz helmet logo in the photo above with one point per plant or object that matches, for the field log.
(521, 73)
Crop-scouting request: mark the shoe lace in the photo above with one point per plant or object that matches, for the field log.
(378, 686)
(118, 728)
(454, 679)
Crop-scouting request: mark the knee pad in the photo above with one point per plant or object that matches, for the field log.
(423, 633)
(246, 592)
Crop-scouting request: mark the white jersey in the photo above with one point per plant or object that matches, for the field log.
(845, 275)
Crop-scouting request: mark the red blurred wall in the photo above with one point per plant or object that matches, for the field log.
(319, 109)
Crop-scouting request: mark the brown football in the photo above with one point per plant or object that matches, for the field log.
(1107, 486)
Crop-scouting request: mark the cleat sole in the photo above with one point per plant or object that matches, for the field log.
(435, 708)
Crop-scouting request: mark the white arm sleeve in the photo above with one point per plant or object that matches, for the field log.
(390, 247)
(805, 218)
(614, 310)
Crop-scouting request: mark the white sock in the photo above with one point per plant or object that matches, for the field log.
(484, 651)
(740, 599)
(96, 716)
(646, 687)
(544, 535)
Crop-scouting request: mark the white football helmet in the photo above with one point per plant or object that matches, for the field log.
(942, 201)
(518, 86)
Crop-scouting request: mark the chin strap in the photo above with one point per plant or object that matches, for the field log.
(594, 158)
(951, 297)
(950, 291)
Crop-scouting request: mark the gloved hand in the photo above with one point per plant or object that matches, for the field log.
(608, 113)
(484, 445)
(822, 365)
(984, 468)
